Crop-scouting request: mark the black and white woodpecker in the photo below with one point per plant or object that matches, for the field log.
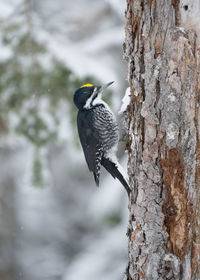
(98, 133)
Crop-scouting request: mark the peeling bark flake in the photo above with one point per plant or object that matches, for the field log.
(175, 205)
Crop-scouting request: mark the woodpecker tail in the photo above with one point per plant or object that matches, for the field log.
(116, 171)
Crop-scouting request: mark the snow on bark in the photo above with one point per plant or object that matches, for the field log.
(125, 101)
(164, 148)
(190, 16)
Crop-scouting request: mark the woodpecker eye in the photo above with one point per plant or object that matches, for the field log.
(88, 90)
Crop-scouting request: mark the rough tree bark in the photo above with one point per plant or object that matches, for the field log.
(161, 48)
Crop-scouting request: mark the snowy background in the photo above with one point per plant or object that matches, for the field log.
(54, 223)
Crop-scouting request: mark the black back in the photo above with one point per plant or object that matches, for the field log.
(98, 133)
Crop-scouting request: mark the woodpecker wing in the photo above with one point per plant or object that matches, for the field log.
(90, 141)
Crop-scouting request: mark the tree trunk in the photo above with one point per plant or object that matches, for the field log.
(164, 148)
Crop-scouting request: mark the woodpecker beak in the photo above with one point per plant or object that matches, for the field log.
(102, 88)
(105, 86)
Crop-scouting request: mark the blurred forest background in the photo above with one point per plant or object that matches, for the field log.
(54, 223)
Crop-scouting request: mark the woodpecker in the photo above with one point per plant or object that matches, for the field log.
(98, 133)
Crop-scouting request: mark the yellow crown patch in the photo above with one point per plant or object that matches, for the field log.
(87, 85)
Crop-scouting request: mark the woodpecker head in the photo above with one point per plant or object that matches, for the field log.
(88, 96)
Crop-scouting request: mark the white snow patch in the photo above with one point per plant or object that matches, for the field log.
(172, 131)
(172, 97)
(190, 16)
(181, 29)
(125, 101)
(173, 258)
